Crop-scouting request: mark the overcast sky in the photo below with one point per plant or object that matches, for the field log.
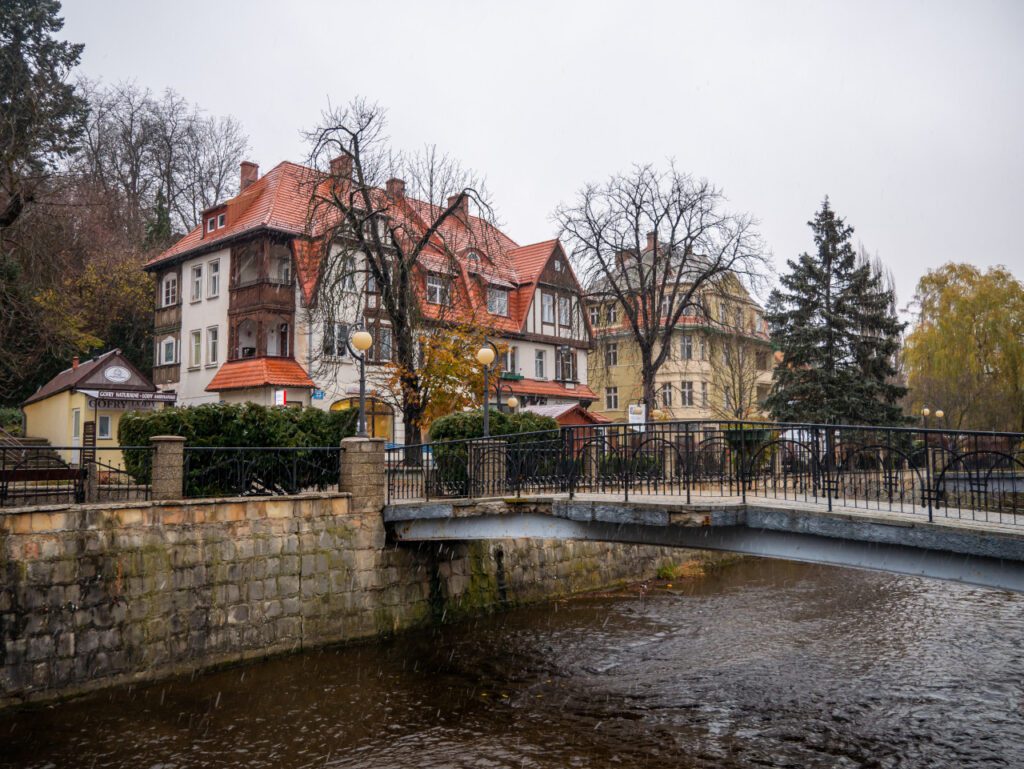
(909, 115)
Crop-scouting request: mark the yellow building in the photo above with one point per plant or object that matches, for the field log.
(719, 365)
(81, 407)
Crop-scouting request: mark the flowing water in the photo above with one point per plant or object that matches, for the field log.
(763, 663)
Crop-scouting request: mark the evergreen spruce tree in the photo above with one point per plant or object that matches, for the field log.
(834, 320)
(158, 231)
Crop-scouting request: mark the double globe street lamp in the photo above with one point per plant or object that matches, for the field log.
(485, 356)
(358, 343)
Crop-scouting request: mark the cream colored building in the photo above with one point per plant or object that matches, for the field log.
(82, 406)
(719, 366)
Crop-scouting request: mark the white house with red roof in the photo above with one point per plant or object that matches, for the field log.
(232, 319)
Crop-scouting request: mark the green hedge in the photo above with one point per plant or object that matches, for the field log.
(10, 419)
(517, 430)
(470, 424)
(238, 425)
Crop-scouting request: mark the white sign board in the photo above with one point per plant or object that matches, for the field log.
(280, 397)
(637, 413)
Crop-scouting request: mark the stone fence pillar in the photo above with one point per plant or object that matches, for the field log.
(168, 467)
(362, 473)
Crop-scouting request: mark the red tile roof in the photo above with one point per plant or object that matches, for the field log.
(280, 201)
(547, 388)
(259, 372)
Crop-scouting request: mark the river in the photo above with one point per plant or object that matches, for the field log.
(762, 663)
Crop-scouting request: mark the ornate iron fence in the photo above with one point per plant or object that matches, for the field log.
(260, 471)
(50, 475)
(953, 474)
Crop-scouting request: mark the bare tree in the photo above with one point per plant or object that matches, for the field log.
(657, 243)
(736, 375)
(137, 145)
(381, 224)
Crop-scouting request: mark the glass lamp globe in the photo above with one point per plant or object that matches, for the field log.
(485, 356)
(362, 340)
(926, 412)
(513, 402)
(939, 413)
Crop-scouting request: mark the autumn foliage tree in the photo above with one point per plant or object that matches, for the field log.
(965, 353)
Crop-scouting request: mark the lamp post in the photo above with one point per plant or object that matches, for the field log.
(512, 401)
(485, 357)
(358, 343)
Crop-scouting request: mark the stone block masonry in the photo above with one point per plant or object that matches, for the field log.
(98, 595)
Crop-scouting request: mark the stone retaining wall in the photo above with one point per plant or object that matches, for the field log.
(99, 595)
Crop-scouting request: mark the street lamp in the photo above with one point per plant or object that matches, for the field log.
(358, 343)
(485, 357)
(499, 388)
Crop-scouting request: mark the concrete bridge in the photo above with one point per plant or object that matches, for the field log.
(933, 503)
(962, 550)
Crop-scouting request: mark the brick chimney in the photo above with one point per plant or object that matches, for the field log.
(250, 173)
(74, 363)
(463, 209)
(341, 166)
(651, 240)
(396, 188)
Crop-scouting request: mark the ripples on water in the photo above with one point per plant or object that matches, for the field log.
(766, 663)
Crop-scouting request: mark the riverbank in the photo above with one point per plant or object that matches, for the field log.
(760, 663)
(106, 595)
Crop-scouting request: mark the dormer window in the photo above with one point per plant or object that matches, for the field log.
(438, 290)
(497, 301)
(215, 222)
(558, 265)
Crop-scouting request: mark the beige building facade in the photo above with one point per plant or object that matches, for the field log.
(719, 365)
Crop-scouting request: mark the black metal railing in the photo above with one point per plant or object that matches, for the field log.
(953, 474)
(260, 471)
(50, 475)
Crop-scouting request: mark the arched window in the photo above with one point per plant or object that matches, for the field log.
(380, 417)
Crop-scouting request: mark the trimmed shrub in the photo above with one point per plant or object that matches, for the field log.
(470, 424)
(236, 425)
(526, 435)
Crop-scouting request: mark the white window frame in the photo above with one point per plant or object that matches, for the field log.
(611, 398)
(497, 301)
(197, 282)
(547, 308)
(539, 366)
(564, 311)
(665, 395)
(704, 394)
(212, 345)
(686, 347)
(686, 388)
(102, 434)
(595, 315)
(169, 292)
(382, 344)
(220, 220)
(195, 348)
(213, 279)
(613, 314)
(337, 334)
(174, 351)
(211, 224)
(510, 360)
(438, 290)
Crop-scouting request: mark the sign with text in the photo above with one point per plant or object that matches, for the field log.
(637, 415)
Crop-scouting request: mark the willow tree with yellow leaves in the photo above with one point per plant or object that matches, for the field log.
(965, 355)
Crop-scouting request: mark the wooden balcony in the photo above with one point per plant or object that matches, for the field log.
(262, 295)
(166, 318)
(163, 375)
